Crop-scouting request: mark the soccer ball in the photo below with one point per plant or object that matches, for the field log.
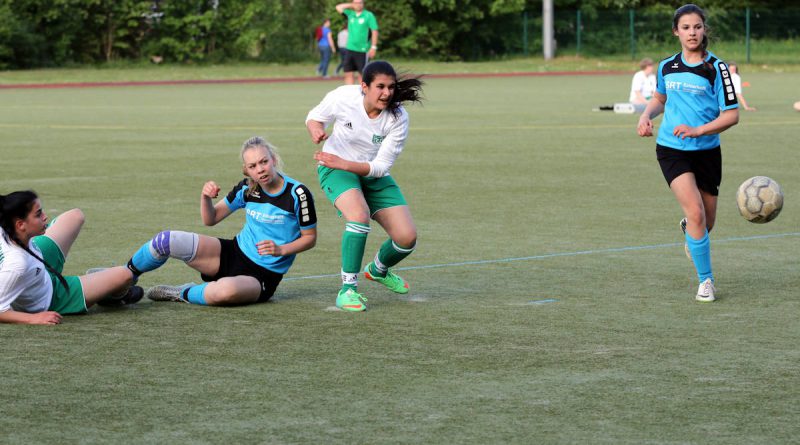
(760, 199)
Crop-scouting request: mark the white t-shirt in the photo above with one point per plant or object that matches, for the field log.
(737, 83)
(25, 285)
(355, 136)
(644, 84)
(341, 39)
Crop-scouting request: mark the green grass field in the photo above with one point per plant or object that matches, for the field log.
(551, 300)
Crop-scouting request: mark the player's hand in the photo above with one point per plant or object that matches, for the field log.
(329, 160)
(684, 131)
(48, 317)
(645, 127)
(371, 54)
(317, 134)
(211, 189)
(268, 247)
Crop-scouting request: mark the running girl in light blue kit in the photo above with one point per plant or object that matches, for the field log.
(695, 92)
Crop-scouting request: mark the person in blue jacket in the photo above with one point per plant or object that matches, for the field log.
(326, 48)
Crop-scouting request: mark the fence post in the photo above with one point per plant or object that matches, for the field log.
(548, 45)
(633, 36)
(747, 32)
(578, 27)
(525, 32)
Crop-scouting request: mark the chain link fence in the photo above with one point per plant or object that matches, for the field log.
(751, 34)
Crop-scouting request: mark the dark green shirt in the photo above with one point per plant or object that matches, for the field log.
(358, 26)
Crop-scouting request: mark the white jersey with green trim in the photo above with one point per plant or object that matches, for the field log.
(25, 285)
(355, 136)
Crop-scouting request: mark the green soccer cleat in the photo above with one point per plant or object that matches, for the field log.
(392, 282)
(350, 300)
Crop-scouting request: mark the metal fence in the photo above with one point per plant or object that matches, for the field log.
(640, 32)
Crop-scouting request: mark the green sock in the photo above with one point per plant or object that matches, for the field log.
(389, 255)
(354, 240)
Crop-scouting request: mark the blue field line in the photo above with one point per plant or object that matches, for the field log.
(563, 254)
(545, 301)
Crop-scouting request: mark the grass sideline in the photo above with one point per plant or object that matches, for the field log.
(594, 338)
(133, 72)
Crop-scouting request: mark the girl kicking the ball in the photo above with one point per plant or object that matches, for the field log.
(280, 222)
(696, 95)
(32, 256)
(368, 135)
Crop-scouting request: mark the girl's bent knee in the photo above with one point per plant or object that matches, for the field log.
(406, 241)
(75, 216)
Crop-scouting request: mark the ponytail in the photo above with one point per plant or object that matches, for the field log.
(41, 260)
(18, 205)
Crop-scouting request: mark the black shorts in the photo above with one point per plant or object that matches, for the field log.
(233, 262)
(354, 61)
(705, 164)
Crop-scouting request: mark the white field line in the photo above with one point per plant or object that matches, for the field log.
(561, 254)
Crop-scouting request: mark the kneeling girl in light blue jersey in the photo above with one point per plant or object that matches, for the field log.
(280, 222)
(695, 92)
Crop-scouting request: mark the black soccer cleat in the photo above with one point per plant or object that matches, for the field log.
(132, 296)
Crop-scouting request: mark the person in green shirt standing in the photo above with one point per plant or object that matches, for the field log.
(360, 47)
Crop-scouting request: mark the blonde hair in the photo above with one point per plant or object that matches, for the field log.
(259, 142)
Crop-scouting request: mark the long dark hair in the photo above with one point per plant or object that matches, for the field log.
(691, 8)
(18, 205)
(406, 89)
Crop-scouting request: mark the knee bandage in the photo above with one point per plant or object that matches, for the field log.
(175, 244)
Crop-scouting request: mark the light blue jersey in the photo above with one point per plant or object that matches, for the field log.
(696, 94)
(278, 217)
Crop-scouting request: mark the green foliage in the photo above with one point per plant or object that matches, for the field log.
(449, 30)
(50, 33)
(122, 27)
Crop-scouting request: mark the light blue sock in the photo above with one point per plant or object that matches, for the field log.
(195, 294)
(701, 255)
(144, 261)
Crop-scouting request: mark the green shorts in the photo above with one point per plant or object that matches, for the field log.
(65, 301)
(380, 193)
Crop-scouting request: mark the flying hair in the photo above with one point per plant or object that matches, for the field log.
(407, 88)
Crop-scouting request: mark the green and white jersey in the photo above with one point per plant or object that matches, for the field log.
(358, 26)
(25, 285)
(355, 136)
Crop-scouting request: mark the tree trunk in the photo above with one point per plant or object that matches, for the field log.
(109, 40)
